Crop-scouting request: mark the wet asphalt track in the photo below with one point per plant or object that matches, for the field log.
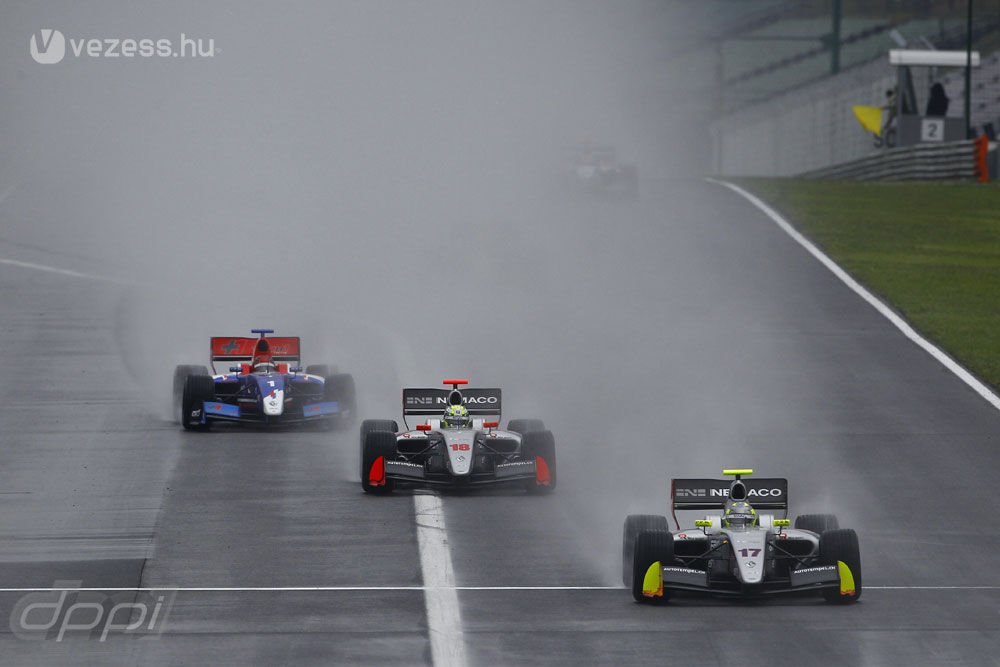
(747, 353)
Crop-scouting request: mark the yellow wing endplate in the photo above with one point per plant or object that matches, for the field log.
(737, 471)
(652, 582)
(846, 578)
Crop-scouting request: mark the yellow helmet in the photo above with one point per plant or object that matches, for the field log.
(739, 514)
(456, 416)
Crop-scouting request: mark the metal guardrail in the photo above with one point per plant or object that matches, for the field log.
(957, 160)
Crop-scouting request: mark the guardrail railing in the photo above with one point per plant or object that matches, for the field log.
(957, 160)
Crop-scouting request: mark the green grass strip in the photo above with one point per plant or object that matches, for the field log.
(931, 250)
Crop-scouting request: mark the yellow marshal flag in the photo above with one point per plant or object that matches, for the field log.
(870, 118)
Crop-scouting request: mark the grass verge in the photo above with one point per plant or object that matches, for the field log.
(932, 250)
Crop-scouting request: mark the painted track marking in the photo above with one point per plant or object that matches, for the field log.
(884, 310)
(53, 269)
(444, 618)
(405, 589)
(306, 589)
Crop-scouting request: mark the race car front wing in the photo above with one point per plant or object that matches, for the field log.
(404, 471)
(815, 578)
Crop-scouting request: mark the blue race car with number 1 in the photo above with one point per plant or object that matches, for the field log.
(265, 387)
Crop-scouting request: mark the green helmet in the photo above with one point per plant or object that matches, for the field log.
(456, 416)
(739, 514)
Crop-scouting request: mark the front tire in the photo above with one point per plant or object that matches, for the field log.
(841, 544)
(370, 426)
(635, 524)
(197, 390)
(181, 374)
(321, 370)
(379, 447)
(817, 523)
(542, 446)
(651, 546)
(523, 426)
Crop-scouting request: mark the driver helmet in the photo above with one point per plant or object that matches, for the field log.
(456, 416)
(739, 514)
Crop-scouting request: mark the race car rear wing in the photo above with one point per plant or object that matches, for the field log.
(711, 494)
(431, 401)
(240, 350)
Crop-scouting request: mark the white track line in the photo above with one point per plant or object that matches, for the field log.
(53, 269)
(298, 589)
(444, 618)
(897, 321)
(405, 589)
(932, 588)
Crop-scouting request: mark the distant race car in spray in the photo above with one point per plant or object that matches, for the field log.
(739, 551)
(596, 169)
(457, 445)
(266, 386)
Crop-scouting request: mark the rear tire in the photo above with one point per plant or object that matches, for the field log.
(841, 544)
(651, 546)
(541, 445)
(340, 388)
(197, 390)
(378, 444)
(370, 426)
(523, 426)
(181, 373)
(817, 523)
(635, 524)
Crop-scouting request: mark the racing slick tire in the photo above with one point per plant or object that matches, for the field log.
(180, 374)
(635, 524)
(340, 388)
(197, 390)
(651, 546)
(370, 426)
(378, 446)
(542, 446)
(321, 370)
(841, 544)
(817, 523)
(523, 426)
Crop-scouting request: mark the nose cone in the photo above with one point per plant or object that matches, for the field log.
(274, 403)
(459, 443)
(749, 549)
(272, 394)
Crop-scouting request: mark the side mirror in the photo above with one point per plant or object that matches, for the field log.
(295, 369)
(491, 424)
(423, 427)
(235, 369)
(780, 523)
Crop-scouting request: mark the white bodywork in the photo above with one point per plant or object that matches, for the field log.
(274, 403)
(749, 544)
